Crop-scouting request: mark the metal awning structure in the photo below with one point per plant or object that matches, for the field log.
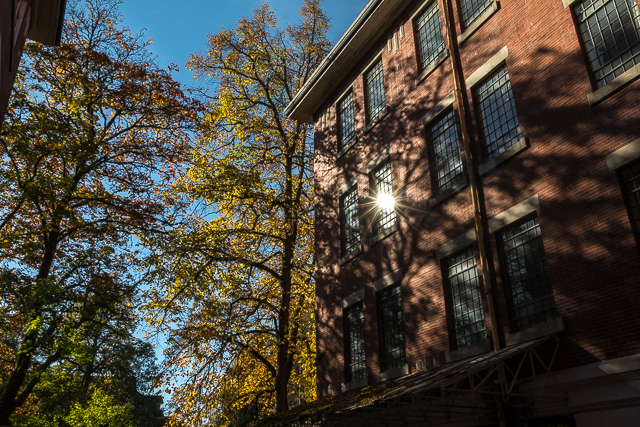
(473, 391)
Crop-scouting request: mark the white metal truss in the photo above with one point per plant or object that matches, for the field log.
(458, 393)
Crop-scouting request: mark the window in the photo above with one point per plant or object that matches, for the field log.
(466, 301)
(473, 9)
(374, 82)
(385, 212)
(430, 40)
(525, 266)
(350, 222)
(611, 33)
(630, 181)
(354, 346)
(444, 153)
(497, 111)
(390, 305)
(346, 122)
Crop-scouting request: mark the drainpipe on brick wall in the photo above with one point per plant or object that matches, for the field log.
(478, 208)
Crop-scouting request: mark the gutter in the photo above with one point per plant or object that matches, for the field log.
(63, 8)
(333, 54)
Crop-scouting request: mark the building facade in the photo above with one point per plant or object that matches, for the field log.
(539, 276)
(39, 20)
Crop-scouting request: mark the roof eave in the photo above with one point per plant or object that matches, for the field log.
(349, 51)
(47, 21)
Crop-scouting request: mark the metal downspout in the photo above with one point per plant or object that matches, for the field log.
(478, 208)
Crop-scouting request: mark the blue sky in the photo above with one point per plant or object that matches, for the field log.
(179, 28)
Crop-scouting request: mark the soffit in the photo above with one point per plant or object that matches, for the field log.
(47, 19)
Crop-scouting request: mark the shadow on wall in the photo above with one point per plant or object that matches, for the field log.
(591, 253)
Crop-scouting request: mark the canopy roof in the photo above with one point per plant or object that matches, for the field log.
(467, 389)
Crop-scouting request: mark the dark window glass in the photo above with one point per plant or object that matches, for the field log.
(346, 123)
(374, 82)
(354, 334)
(350, 222)
(497, 110)
(430, 40)
(467, 311)
(390, 303)
(611, 33)
(385, 215)
(525, 265)
(630, 179)
(444, 153)
(473, 9)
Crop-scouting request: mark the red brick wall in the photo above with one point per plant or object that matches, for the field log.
(593, 260)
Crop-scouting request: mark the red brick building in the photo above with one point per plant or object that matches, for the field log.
(39, 20)
(521, 308)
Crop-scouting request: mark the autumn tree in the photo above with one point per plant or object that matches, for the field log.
(235, 289)
(93, 135)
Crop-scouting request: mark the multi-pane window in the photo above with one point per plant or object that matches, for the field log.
(385, 210)
(525, 266)
(390, 305)
(374, 81)
(350, 222)
(473, 9)
(630, 180)
(497, 110)
(430, 40)
(346, 122)
(466, 301)
(444, 153)
(611, 33)
(354, 345)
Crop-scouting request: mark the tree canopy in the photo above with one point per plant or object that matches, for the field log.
(94, 134)
(235, 289)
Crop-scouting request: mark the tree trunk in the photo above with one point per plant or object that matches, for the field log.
(9, 399)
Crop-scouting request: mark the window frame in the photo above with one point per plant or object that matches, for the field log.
(373, 116)
(401, 360)
(348, 362)
(478, 17)
(595, 82)
(479, 110)
(342, 143)
(507, 279)
(381, 224)
(449, 299)
(626, 156)
(459, 179)
(345, 249)
(440, 52)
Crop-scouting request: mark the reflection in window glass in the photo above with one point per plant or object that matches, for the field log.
(525, 265)
(611, 33)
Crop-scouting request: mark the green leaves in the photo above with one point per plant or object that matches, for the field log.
(92, 140)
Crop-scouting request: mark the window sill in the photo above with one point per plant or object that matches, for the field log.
(463, 353)
(352, 385)
(510, 152)
(393, 373)
(431, 68)
(614, 85)
(376, 120)
(346, 148)
(348, 257)
(538, 331)
(479, 22)
(441, 197)
(386, 233)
